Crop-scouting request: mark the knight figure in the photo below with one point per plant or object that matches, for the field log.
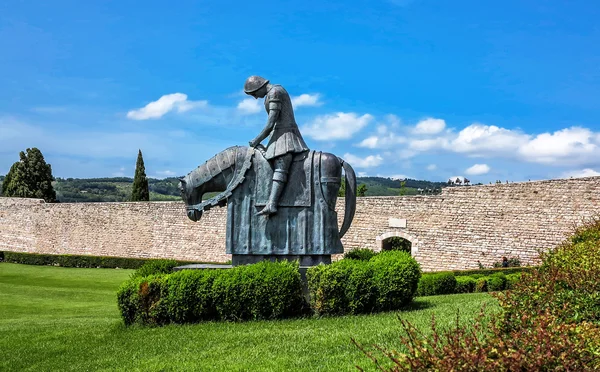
(285, 140)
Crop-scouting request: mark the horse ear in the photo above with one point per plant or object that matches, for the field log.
(182, 180)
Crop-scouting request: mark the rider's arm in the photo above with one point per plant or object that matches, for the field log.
(274, 110)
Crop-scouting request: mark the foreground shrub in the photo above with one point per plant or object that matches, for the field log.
(547, 345)
(155, 267)
(396, 276)
(436, 284)
(265, 290)
(465, 284)
(362, 254)
(387, 281)
(550, 320)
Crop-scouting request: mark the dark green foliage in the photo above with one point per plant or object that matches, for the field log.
(363, 254)
(139, 191)
(436, 284)
(30, 177)
(396, 275)
(465, 284)
(155, 267)
(388, 281)
(68, 260)
(361, 190)
(397, 243)
(266, 290)
(496, 282)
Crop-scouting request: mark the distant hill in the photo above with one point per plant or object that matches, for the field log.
(118, 189)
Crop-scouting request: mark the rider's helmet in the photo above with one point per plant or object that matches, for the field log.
(254, 83)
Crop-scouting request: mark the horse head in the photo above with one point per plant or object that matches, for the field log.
(191, 197)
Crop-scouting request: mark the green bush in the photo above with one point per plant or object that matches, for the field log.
(388, 281)
(566, 284)
(436, 284)
(154, 267)
(481, 285)
(362, 254)
(266, 290)
(396, 275)
(465, 284)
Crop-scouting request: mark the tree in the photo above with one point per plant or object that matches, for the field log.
(402, 187)
(140, 190)
(361, 190)
(30, 177)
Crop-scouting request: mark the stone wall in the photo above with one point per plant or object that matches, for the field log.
(452, 230)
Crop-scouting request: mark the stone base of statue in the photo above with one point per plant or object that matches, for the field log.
(305, 260)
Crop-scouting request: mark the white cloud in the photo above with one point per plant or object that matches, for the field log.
(428, 144)
(165, 104)
(382, 142)
(431, 167)
(570, 145)
(478, 169)
(249, 106)
(587, 172)
(368, 162)
(430, 126)
(336, 126)
(306, 100)
(480, 139)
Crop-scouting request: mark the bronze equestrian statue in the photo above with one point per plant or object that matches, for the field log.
(280, 200)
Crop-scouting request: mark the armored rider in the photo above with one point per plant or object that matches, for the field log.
(285, 140)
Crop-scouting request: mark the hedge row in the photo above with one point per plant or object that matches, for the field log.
(266, 290)
(68, 260)
(447, 283)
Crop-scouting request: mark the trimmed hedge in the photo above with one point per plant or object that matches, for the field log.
(388, 281)
(487, 272)
(155, 267)
(437, 284)
(265, 290)
(69, 260)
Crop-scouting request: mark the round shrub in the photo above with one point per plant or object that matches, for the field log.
(396, 275)
(465, 284)
(362, 254)
(436, 284)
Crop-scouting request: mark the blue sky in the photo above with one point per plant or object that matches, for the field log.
(399, 88)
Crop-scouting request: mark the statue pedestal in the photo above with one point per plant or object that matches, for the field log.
(305, 260)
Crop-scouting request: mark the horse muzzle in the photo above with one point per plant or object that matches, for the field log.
(194, 214)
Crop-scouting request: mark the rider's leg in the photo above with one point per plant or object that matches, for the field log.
(280, 177)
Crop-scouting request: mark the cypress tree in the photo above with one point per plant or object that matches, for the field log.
(30, 177)
(140, 190)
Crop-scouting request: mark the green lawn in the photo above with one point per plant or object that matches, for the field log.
(67, 319)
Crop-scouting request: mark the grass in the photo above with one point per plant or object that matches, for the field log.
(65, 319)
